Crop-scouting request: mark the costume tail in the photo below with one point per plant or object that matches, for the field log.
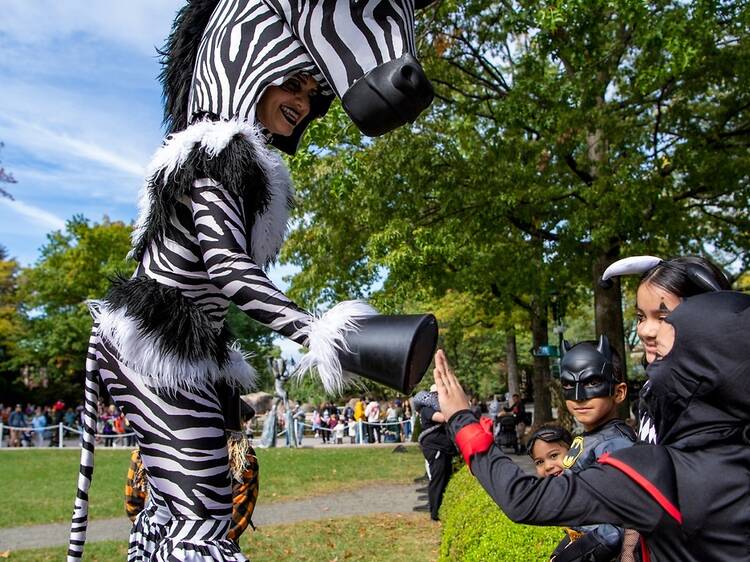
(88, 438)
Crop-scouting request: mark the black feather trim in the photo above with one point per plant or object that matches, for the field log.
(236, 168)
(165, 313)
(178, 60)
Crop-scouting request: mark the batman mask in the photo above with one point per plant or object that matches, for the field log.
(587, 371)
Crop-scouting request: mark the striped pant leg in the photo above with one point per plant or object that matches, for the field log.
(184, 451)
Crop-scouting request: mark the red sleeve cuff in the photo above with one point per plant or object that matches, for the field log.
(472, 439)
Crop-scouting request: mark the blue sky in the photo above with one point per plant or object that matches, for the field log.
(80, 113)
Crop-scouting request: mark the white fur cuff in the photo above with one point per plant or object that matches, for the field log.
(326, 337)
(162, 370)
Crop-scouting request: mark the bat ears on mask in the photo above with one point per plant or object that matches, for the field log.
(603, 347)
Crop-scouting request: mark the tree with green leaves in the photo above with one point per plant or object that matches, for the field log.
(74, 265)
(564, 135)
(11, 321)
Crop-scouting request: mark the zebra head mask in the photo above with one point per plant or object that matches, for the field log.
(223, 54)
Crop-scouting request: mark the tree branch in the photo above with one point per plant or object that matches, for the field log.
(583, 175)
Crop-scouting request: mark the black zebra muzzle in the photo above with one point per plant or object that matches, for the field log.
(388, 96)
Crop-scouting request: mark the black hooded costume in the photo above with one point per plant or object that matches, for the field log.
(689, 495)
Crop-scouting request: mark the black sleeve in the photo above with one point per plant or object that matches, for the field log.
(600, 494)
(426, 414)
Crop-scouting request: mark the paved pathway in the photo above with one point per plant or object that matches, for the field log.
(389, 498)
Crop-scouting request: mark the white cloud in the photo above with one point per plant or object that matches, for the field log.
(137, 24)
(38, 216)
(48, 144)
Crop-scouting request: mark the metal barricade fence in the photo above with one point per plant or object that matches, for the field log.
(360, 431)
(61, 428)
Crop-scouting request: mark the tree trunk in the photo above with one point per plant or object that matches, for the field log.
(512, 361)
(541, 377)
(608, 305)
(608, 314)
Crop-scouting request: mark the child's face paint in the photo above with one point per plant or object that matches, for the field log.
(653, 305)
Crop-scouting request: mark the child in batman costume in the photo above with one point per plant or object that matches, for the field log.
(687, 496)
(591, 380)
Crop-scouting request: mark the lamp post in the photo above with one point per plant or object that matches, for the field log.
(558, 313)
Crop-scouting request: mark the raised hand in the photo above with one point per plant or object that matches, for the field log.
(450, 394)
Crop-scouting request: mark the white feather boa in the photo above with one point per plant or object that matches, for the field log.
(270, 227)
(142, 353)
(327, 337)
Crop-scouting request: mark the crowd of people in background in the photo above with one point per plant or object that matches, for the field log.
(360, 421)
(383, 421)
(34, 425)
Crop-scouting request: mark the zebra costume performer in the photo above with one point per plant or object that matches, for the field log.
(213, 215)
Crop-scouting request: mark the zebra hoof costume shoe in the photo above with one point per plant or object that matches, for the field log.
(213, 216)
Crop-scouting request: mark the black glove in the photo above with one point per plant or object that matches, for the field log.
(562, 545)
(586, 549)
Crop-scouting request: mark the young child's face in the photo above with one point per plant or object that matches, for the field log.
(548, 457)
(594, 412)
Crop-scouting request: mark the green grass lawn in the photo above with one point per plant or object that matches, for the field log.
(357, 539)
(38, 486)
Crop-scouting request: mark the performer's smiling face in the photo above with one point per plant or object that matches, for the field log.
(653, 305)
(282, 108)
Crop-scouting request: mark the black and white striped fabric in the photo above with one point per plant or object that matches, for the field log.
(206, 253)
(184, 450)
(250, 44)
(213, 216)
(88, 441)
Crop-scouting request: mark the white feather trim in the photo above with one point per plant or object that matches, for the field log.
(630, 266)
(213, 136)
(326, 337)
(270, 228)
(167, 371)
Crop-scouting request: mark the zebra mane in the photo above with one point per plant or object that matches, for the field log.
(178, 61)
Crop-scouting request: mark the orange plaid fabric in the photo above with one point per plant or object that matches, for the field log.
(135, 496)
(244, 497)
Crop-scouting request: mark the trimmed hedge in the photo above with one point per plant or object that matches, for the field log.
(476, 530)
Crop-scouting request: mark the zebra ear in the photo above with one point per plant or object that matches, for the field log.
(566, 345)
